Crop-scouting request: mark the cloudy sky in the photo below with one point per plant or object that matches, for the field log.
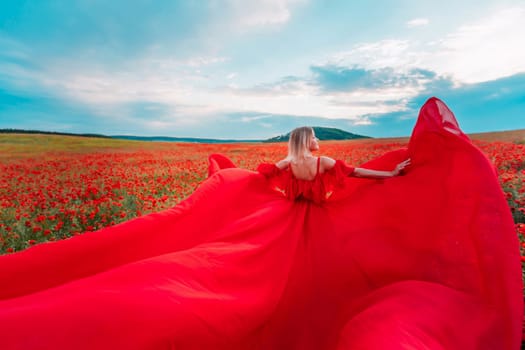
(255, 69)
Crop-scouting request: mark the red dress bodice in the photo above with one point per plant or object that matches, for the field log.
(317, 190)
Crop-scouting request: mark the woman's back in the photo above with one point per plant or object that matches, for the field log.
(303, 169)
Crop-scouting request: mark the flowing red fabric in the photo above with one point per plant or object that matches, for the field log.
(257, 260)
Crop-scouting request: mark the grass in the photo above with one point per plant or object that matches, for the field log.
(21, 146)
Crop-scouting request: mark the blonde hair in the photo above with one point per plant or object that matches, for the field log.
(299, 143)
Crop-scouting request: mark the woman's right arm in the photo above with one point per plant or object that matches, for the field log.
(328, 163)
(380, 174)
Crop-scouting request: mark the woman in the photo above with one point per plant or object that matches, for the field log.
(295, 256)
(305, 166)
(303, 176)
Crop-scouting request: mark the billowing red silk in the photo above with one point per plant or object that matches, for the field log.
(261, 260)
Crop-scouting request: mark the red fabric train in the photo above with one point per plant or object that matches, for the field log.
(254, 260)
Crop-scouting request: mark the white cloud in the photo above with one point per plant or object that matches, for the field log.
(309, 100)
(382, 54)
(363, 121)
(262, 12)
(203, 61)
(186, 94)
(247, 119)
(158, 124)
(417, 22)
(105, 91)
(484, 50)
(488, 49)
(12, 48)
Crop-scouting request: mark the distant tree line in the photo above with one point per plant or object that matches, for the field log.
(22, 131)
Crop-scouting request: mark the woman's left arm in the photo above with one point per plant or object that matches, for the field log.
(381, 174)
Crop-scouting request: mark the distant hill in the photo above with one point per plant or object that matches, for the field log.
(324, 134)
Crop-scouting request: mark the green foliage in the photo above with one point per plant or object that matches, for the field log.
(22, 131)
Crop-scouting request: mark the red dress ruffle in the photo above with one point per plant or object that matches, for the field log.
(317, 190)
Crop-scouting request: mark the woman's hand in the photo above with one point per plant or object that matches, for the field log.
(401, 166)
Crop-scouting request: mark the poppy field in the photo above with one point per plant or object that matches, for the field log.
(54, 187)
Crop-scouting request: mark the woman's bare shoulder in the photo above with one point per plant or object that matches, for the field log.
(327, 163)
(282, 164)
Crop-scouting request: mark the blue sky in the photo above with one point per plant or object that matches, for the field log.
(256, 69)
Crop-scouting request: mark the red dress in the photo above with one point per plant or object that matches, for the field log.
(261, 260)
